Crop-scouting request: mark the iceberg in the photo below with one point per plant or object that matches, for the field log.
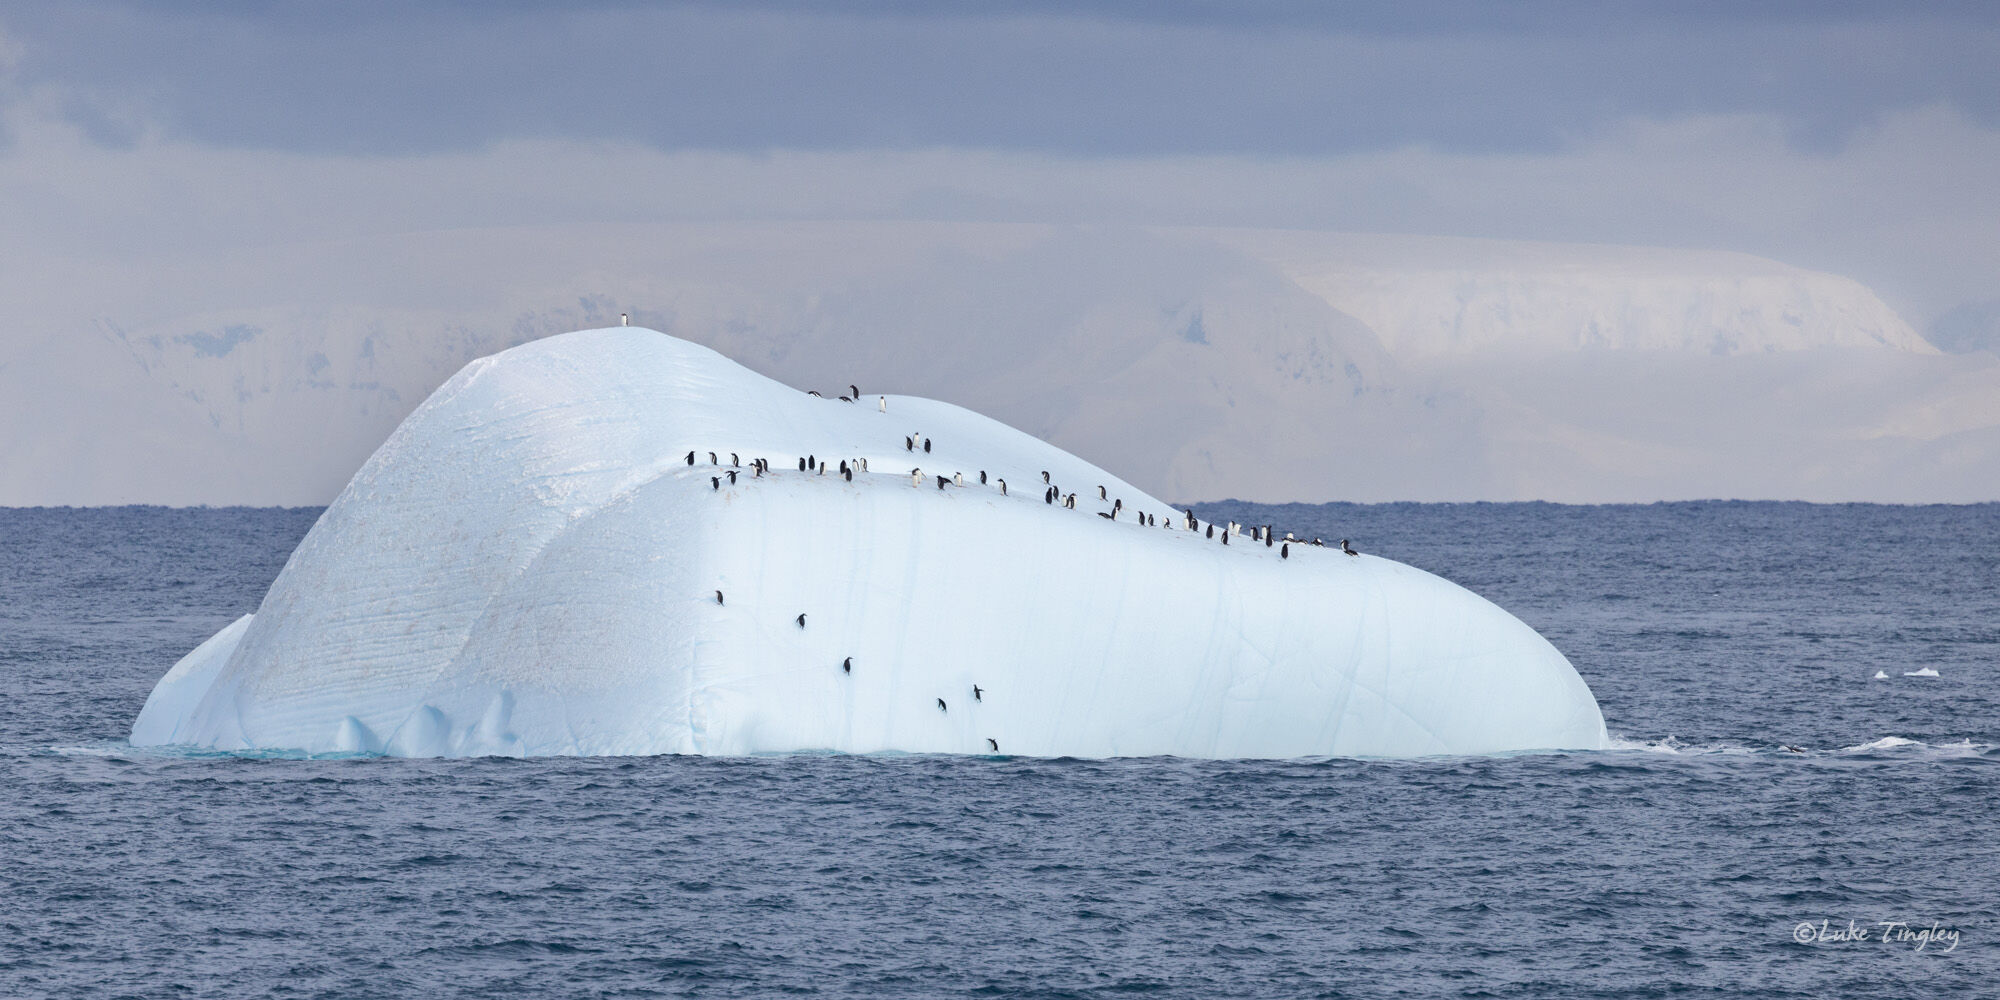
(569, 548)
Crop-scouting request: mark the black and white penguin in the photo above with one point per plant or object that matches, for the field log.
(1225, 538)
(715, 482)
(1285, 551)
(927, 446)
(1045, 475)
(812, 462)
(882, 403)
(1049, 496)
(690, 458)
(916, 477)
(1003, 487)
(847, 665)
(982, 477)
(1117, 505)
(976, 689)
(943, 482)
(843, 465)
(958, 479)
(941, 707)
(711, 459)
(1349, 549)
(1105, 516)
(802, 619)
(1211, 531)
(909, 443)
(758, 470)
(1101, 495)
(718, 597)
(844, 399)
(995, 744)
(624, 320)
(1267, 538)
(732, 477)
(852, 391)
(847, 474)
(802, 464)
(814, 392)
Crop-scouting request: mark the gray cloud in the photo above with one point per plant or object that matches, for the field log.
(1107, 79)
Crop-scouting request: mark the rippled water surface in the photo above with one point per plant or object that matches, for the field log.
(1714, 634)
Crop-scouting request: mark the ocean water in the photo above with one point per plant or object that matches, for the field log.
(1702, 858)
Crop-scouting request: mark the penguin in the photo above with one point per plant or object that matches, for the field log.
(1267, 538)
(690, 458)
(941, 707)
(943, 482)
(843, 465)
(1285, 551)
(982, 477)
(802, 465)
(715, 482)
(976, 689)
(844, 399)
(732, 477)
(1211, 531)
(814, 392)
(1317, 543)
(1349, 549)
(718, 597)
(995, 744)
(1049, 496)
(852, 391)
(1045, 475)
(1003, 487)
(624, 320)
(811, 462)
(847, 474)
(1116, 505)
(1289, 538)
(1101, 495)
(711, 459)
(822, 468)
(958, 479)
(864, 465)
(732, 460)
(1070, 501)
(802, 619)
(1253, 532)
(882, 403)
(1106, 516)
(927, 446)
(909, 443)
(1225, 538)
(847, 665)
(916, 477)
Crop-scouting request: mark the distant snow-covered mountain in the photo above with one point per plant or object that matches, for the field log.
(1200, 364)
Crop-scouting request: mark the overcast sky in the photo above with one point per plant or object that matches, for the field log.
(1857, 138)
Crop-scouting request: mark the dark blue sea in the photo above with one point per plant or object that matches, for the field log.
(1703, 859)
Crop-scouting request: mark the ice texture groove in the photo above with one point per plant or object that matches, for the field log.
(528, 566)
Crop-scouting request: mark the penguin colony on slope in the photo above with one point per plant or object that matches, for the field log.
(1054, 495)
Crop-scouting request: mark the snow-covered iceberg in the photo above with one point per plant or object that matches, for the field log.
(531, 565)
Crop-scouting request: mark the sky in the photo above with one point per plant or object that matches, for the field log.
(150, 151)
(1856, 138)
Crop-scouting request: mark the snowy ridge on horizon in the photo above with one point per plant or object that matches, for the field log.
(1266, 365)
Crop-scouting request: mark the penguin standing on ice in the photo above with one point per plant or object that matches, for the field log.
(711, 459)
(624, 320)
(982, 477)
(1116, 506)
(916, 477)
(1349, 549)
(958, 479)
(732, 459)
(1267, 538)
(1285, 551)
(847, 474)
(802, 619)
(976, 689)
(1003, 487)
(1045, 475)
(941, 707)
(909, 443)
(847, 665)
(802, 464)
(690, 458)
(1101, 494)
(718, 597)
(1049, 496)
(943, 482)
(758, 470)
(1211, 531)
(715, 482)
(927, 446)
(852, 391)
(732, 477)
(882, 403)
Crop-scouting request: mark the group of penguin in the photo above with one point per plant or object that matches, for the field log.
(1052, 495)
(847, 667)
